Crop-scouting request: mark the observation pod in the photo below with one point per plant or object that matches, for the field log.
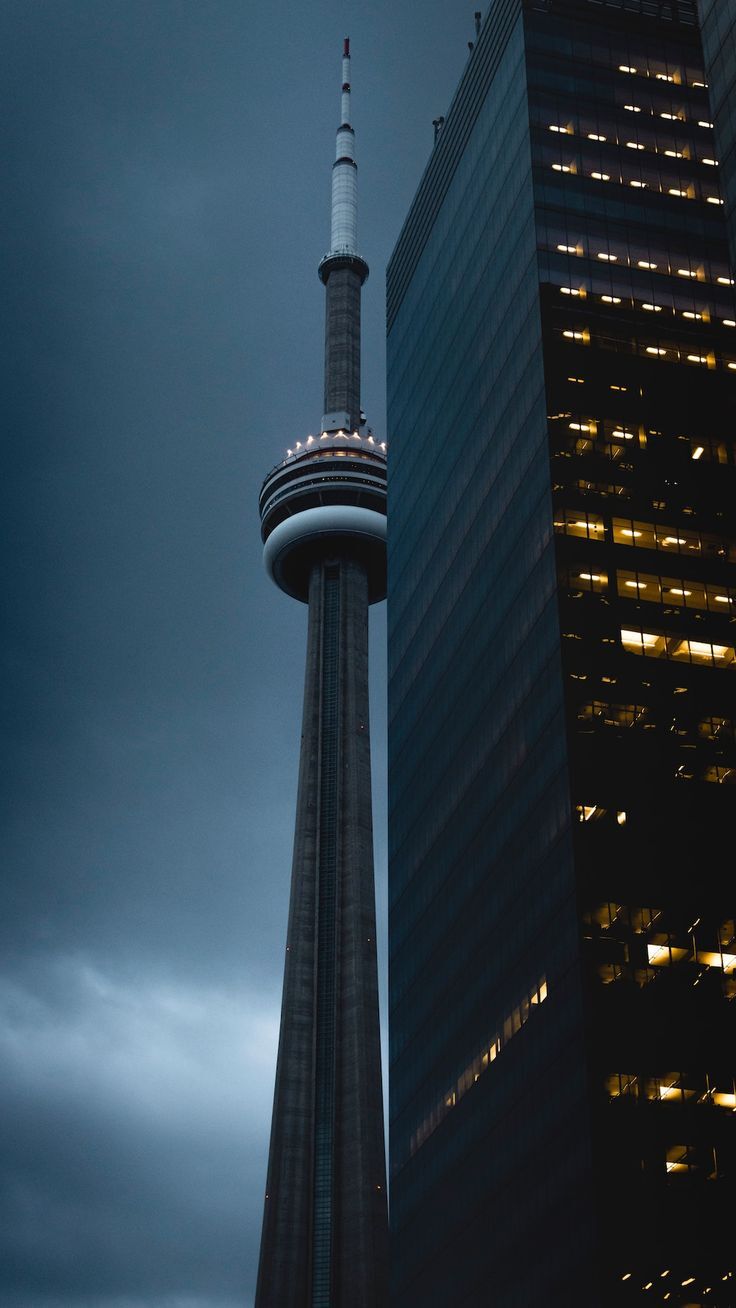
(329, 497)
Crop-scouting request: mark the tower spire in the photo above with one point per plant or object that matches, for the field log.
(344, 227)
(343, 272)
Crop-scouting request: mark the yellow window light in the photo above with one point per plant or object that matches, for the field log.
(611, 299)
(601, 177)
(636, 638)
(609, 258)
(588, 812)
(562, 168)
(652, 308)
(640, 185)
(698, 452)
(644, 263)
(714, 959)
(593, 136)
(557, 127)
(626, 68)
(633, 108)
(654, 349)
(634, 145)
(567, 249)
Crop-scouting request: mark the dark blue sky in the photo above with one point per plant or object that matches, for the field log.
(166, 204)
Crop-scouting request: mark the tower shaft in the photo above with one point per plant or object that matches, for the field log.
(323, 520)
(324, 1242)
(342, 344)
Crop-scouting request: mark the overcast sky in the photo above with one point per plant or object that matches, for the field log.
(167, 202)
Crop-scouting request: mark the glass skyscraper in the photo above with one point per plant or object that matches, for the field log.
(562, 695)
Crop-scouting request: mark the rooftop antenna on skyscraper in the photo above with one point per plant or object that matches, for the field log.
(478, 19)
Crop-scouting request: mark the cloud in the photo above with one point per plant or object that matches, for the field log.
(134, 1158)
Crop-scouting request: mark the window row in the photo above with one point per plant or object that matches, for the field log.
(511, 1024)
(625, 716)
(674, 1088)
(584, 45)
(621, 971)
(640, 174)
(580, 93)
(672, 591)
(633, 944)
(712, 936)
(613, 291)
(608, 440)
(662, 349)
(639, 138)
(617, 248)
(675, 75)
(694, 1285)
(598, 488)
(667, 645)
(644, 535)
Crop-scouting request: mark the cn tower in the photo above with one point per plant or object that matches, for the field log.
(324, 1242)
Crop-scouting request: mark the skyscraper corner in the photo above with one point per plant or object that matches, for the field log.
(324, 1241)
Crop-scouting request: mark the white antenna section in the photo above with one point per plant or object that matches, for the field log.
(344, 231)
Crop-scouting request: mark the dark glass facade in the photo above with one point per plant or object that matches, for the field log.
(718, 20)
(562, 696)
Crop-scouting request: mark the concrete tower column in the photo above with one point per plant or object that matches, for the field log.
(324, 1231)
